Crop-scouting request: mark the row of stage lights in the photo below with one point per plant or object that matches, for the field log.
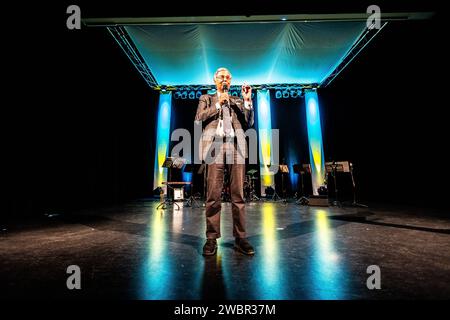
(281, 92)
(285, 94)
(187, 95)
(197, 94)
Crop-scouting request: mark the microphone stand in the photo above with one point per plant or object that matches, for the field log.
(336, 202)
(355, 203)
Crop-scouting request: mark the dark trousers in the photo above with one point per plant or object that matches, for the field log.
(214, 193)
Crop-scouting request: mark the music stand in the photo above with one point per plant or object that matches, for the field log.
(191, 200)
(169, 163)
(334, 167)
(355, 203)
(276, 196)
(252, 193)
(301, 170)
(284, 169)
(178, 163)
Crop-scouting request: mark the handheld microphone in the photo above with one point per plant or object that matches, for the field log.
(225, 90)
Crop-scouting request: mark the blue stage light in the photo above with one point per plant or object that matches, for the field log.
(198, 94)
(316, 155)
(263, 114)
(162, 139)
(177, 95)
(294, 94)
(191, 94)
(285, 94)
(278, 94)
(184, 95)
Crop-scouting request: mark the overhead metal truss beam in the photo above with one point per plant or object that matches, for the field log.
(357, 47)
(277, 86)
(123, 39)
(284, 90)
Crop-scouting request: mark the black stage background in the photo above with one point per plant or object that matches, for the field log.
(81, 124)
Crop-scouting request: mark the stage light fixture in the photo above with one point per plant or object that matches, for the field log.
(278, 94)
(198, 94)
(294, 94)
(285, 94)
(184, 95)
(177, 95)
(315, 139)
(263, 114)
(162, 138)
(191, 95)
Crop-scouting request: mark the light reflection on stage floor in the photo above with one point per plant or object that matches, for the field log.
(270, 274)
(135, 251)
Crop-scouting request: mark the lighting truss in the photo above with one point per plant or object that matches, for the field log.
(282, 90)
(357, 47)
(116, 25)
(123, 39)
(280, 86)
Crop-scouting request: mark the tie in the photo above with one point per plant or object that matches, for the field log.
(226, 120)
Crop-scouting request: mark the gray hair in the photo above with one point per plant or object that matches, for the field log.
(221, 69)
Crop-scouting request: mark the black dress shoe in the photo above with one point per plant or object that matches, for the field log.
(210, 247)
(244, 246)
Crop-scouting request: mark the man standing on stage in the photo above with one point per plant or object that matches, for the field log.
(225, 118)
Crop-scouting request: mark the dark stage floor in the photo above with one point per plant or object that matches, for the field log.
(134, 251)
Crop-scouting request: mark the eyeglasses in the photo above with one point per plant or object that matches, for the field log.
(223, 77)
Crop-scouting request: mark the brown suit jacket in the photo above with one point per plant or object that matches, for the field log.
(207, 112)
